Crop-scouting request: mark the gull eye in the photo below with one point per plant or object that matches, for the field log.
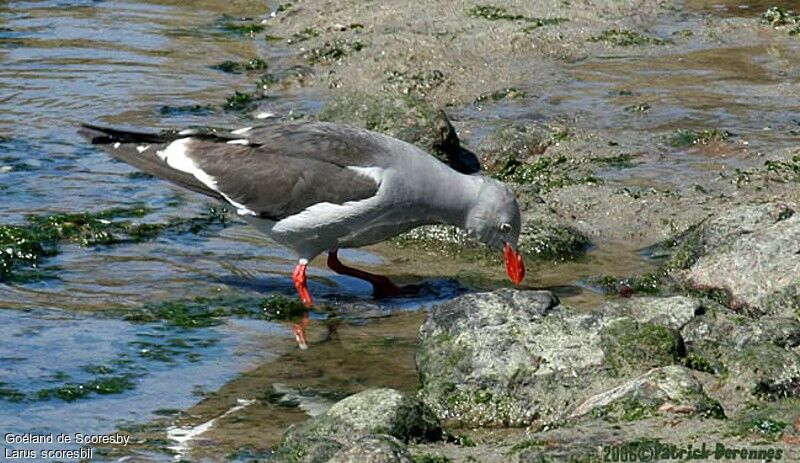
(505, 228)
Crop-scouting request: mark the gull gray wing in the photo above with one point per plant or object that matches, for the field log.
(282, 172)
(275, 183)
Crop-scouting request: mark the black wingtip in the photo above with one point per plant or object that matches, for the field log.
(97, 135)
(91, 133)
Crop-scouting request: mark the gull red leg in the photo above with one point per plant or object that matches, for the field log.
(381, 285)
(299, 277)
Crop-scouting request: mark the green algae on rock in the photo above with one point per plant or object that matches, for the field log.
(498, 13)
(101, 385)
(333, 51)
(10, 394)
(418, 83)
(241, 28)
(781, 18)
(239, 101)
(282, 308)
(197, 109)
(195, 314)
(511, 93)
(306, 34)
(626, 38)
(685, 138)
(553, 357)
(651, 283)
(542, 240)
(235, 67)
(378, 419)
(629, 345)
(23, 247)
(546, 172)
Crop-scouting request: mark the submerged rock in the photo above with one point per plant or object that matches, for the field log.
(745, 258)
(670, 389)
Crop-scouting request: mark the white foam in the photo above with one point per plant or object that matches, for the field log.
(142, 148)
(183, 436)
(117, 145)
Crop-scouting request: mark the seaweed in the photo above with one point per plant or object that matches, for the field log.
(23, 247)
(685, 138)
(626, 38)
(333, 51)
(234, 67)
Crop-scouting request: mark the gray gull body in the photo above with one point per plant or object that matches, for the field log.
(318, 187)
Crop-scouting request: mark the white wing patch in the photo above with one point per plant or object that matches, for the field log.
(240, 141)
(329, 213)
(176, 155)
(241, 131)
(142, 148)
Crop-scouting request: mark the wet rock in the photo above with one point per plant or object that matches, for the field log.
(673, 312)
(408, 118)
(755, 358)
(639, 218)
(670, 389)
(544, 237)
(505, 357)
(310, 450)
(511, 358)
(374, 449)
(745, 258)
(545, 240)
(375, 411)
(520, 142)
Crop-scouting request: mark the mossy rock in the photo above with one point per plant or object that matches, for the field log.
(631, 346)
(541, 240)
(374, 411)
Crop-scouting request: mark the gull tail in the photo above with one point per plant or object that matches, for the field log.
(140, 150)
